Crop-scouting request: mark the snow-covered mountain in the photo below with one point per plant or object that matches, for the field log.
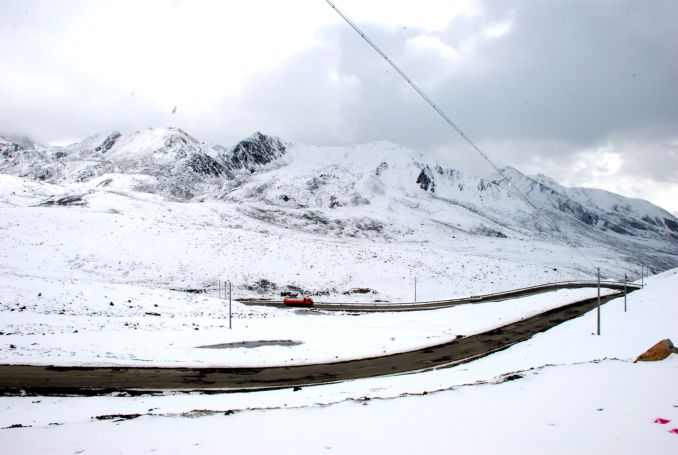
(171, 162)
(380, 192)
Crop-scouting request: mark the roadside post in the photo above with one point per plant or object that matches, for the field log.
(625, 293)
(598, 331)
(415, 288)
(229, 304)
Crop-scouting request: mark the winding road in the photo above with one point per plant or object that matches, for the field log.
(52, 380)
(446, 303)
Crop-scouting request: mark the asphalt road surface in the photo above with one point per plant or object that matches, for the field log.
(52, 380)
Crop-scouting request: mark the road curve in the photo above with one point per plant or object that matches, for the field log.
(446, 303)
(52, 380)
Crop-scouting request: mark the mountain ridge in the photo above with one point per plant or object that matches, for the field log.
(368, 190)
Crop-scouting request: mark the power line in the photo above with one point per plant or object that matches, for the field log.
(449, 121)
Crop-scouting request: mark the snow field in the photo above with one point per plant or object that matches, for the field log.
(563, 391)
(103, 284)
(102, 324)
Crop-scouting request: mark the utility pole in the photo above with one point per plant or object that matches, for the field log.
(415, 288)
(642, 277)
(229, 305)
(624, 293)
(598, 269)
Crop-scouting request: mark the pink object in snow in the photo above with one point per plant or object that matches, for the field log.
(673, 430)
(661, 421)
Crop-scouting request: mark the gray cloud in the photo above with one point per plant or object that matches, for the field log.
(567, 78)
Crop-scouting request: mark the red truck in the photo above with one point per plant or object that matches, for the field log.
(305, 302)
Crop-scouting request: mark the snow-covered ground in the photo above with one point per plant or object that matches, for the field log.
(563, 391)
(97, 261)
(191, 331)
(105, 282)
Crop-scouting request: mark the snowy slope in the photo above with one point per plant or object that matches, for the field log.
(625, 210)
(112, 248)
(160, 207)
(563, 391)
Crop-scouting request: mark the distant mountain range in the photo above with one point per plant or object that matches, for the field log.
(377, 190)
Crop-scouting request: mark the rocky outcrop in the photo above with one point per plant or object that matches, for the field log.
(425, 181)
(108, 143)
(205, 165)
(254, 152)
(659, 351)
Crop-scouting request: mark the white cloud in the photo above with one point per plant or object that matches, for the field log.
(427, 15)
(598, 163)
(498, 29)
(184, 53)
(427, 43)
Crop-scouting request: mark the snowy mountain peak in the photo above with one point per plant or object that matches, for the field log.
(160, 145)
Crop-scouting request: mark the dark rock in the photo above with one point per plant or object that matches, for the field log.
(9, 150)
(370, 225)
(315, 217)
(108, 143)
(425, 181)
(671, 224)
(511, 377)
(289, 294)
(615, 228)
(76, 199)
(484, 230)
(189, 291)
(118, 417)
(334, 202)
(16, 425)
(359, 291)
(263, 286)
(205, 165)
(570, 207)
(254, 152)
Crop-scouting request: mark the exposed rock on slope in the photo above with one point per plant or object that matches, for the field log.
(254, 152)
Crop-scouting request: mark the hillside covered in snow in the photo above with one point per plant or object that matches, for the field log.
(161, 208)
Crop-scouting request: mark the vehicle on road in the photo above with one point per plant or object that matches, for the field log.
(305, 302)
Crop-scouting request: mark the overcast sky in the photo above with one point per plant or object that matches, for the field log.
(585, 92)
